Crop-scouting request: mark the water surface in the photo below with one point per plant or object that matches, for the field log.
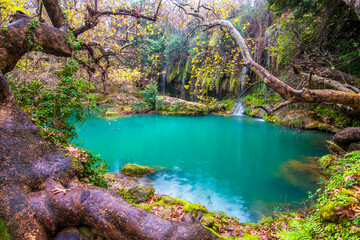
(228, 164)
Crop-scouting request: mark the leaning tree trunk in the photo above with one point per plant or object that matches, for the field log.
(30, 169)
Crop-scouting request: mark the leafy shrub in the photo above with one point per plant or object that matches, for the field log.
(139, 105)
(53, 109)
(150, 94)
(93, 170)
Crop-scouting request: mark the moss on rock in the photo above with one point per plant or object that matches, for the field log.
(138, 194)
(136, 170)
(194, 208)
(329, 212)
(325, 161)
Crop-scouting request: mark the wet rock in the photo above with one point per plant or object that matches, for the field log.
(136, 170)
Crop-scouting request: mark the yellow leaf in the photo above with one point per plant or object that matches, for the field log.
(236, 20)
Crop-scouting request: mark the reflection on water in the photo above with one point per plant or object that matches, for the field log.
(230, 164)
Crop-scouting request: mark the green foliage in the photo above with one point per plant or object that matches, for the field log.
(93, 169)
(229, 103)
(30, 34)
(139, 105)
(261, 96)
(54, 108)
(75, 43)
(3, 232)
(150, 94)
(336, 115)
(335, 214)
(324, 30)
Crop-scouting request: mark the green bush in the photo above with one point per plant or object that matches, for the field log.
(150, 94)
(93, 169)
(53, 108)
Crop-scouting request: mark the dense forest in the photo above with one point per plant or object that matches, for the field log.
(293, 63)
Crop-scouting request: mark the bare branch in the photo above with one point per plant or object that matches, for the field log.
(93, 16)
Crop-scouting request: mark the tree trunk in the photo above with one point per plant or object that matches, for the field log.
(30, 168)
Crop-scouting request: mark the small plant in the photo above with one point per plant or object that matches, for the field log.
(149, 94)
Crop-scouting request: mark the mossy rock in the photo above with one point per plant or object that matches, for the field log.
(135, 170)
(347, 192)
(326, 161)
(195, 207)
(207, 222)
(329, 212)
(174, 106)
(139, 194)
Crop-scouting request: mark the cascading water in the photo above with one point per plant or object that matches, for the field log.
(163, 79)
(239, 109)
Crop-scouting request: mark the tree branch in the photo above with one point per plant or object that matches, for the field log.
(93, 16)
(287, 92)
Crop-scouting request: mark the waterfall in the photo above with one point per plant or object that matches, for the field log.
(243, 78)
(239, 109)
(163, 79)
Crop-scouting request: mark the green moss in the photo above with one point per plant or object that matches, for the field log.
(135, 170)
(250, 237)
(137, 194)
(329, 212)
(3, 232)
(214, 232)
(195, 207)
(326, 160)
(146, 207)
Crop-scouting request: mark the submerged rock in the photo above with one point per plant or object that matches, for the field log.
(136, 170)
(303, 175)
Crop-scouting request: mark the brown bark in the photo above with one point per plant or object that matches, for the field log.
(55, 13)
(14, 42)
(290, 94)
(30, 168)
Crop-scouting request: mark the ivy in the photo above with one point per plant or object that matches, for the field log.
(54, 109)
